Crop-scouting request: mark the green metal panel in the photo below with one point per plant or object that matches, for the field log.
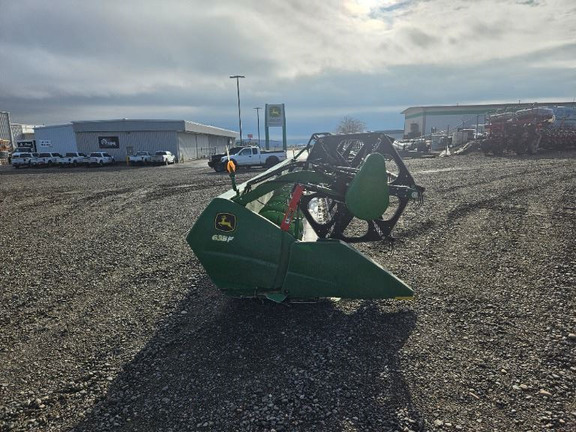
(367, 196)
(331, 268)
(244, 256)
(250, 256)
(290, 178)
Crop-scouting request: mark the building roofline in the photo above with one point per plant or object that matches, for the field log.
(149, 121)
(499, 105)
(54, 125)
(126, 119)
(210, 126)
(185, 126)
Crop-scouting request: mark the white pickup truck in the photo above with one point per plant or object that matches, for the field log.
(253, 156)
(101, 159)
(141, 157)
(47, 159)
(20, 159)
(74, 159)
(163, 157)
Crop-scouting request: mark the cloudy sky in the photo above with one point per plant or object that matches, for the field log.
(67, 60)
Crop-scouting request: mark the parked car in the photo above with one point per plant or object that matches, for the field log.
(163, 157)
(20, 159)
(141, 157)
(101, 159)
(74, 159)
(48, 159)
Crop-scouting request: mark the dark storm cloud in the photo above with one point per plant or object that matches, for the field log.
(422, 39)
(74, 60)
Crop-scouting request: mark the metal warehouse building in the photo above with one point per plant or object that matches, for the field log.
(425, 120)
(123, 137)
(187, 140)
(55, 138)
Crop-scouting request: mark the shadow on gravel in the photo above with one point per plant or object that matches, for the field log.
(251, 365)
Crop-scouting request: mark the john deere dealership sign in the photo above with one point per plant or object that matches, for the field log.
(274, 115)
(106, 142)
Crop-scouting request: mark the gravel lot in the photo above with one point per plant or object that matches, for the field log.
(108, 322)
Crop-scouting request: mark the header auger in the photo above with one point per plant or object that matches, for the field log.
(285, 233)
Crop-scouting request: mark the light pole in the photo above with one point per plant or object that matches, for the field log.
(237, 77)
(258, 117)
(477, 124)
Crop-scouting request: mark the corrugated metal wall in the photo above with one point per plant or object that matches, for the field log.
(444, 122)
(190, 145)
(199, 146)
(60, 139)
(130, 142)
(452, 122)
(218, 145)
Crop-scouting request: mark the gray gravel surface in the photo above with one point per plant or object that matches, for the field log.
(108, 322)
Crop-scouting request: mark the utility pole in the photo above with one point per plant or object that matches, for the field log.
(237, 77)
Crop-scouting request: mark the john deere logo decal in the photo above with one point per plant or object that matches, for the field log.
(225, 222)
(275, 111)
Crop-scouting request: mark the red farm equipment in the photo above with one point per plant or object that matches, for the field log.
(528, 130)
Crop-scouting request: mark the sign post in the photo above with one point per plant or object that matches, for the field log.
(275, 116)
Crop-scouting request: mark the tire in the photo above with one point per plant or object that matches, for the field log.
(101, 163)
(271, 161)
(533, 146)
(219, 167)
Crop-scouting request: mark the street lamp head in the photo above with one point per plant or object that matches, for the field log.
(237, 76)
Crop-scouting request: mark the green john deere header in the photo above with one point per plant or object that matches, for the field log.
(286, 233)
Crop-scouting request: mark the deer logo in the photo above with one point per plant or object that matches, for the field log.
(225, 222)
(275, 111)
